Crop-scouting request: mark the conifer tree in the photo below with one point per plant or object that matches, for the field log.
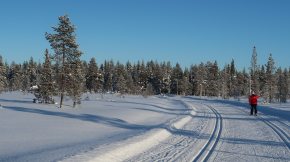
(14, 77)
(282, 85)
(92, 76)
(3, 78)
(119, 82)
(224, 82)
(46, 85)
(75, 80)
(193, 79)
(270, 81)
(32, 72)
(263, 82)
(185, 86)
(108, 70)
(201, 79)
(67, 58)
(166, 70)
(176, 78)
(254, 84)
(213, 77)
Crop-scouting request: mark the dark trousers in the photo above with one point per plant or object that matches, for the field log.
(253, 109)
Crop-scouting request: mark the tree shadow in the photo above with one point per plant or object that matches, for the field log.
(16, 101)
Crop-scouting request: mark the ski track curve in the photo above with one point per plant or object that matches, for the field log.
(126, 149)
(189, 147)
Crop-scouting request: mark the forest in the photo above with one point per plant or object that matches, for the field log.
(63, 73)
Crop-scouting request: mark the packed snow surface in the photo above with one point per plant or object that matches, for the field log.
(114, 127)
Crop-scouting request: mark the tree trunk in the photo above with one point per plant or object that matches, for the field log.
(61, 99)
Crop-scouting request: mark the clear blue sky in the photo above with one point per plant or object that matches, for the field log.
(183, 31)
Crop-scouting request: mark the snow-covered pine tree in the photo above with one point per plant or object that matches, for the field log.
(67, 57)
(254, 84)
(25, 84)
(282, 85)
(242, 83)
(166, 70)
(270, 81)
(224, 80)
(193, 81)
(201, 79)
(31, 71)
(213, 78)
(46, 85)
(14, 77)
(142, 76)
(176, 79)
(3, 78)
(233, 79)
(119, 82)
(107, 71)
(129, 78)
(185, 85)
(263, 82)
(75, 80)
(92, 76)
(154, 76)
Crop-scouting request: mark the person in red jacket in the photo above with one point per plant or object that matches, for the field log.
(253, 101)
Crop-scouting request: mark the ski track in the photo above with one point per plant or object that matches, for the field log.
(208, 148)
(125, 150)
(180, 147)
(281, 132)
(283, 135)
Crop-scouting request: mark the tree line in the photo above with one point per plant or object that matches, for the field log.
(63, 73)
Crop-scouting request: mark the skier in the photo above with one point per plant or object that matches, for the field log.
(253, 101)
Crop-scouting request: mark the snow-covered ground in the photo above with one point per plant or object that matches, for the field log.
(111, 127)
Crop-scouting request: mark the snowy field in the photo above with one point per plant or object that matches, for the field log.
(133, 128)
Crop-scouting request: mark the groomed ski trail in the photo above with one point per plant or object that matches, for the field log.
(126, 149)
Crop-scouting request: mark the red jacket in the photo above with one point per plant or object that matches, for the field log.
(253, 99)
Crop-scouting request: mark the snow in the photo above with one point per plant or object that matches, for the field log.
(110, 127)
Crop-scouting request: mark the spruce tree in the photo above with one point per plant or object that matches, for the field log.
(176, 79)
(67, 58)
(254, 84)
(46, 85)
(15, 77)
(3, 78)
(75, 80)
(92, 76)
(270, 82)
(119, 82)
(108, 69)
(166, 70)
(224, 82)
(213, 77)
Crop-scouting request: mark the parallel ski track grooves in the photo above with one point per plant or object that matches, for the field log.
(280, 132)
(209, 147)
(283, 136)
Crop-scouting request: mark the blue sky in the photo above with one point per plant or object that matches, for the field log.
(183, 31)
